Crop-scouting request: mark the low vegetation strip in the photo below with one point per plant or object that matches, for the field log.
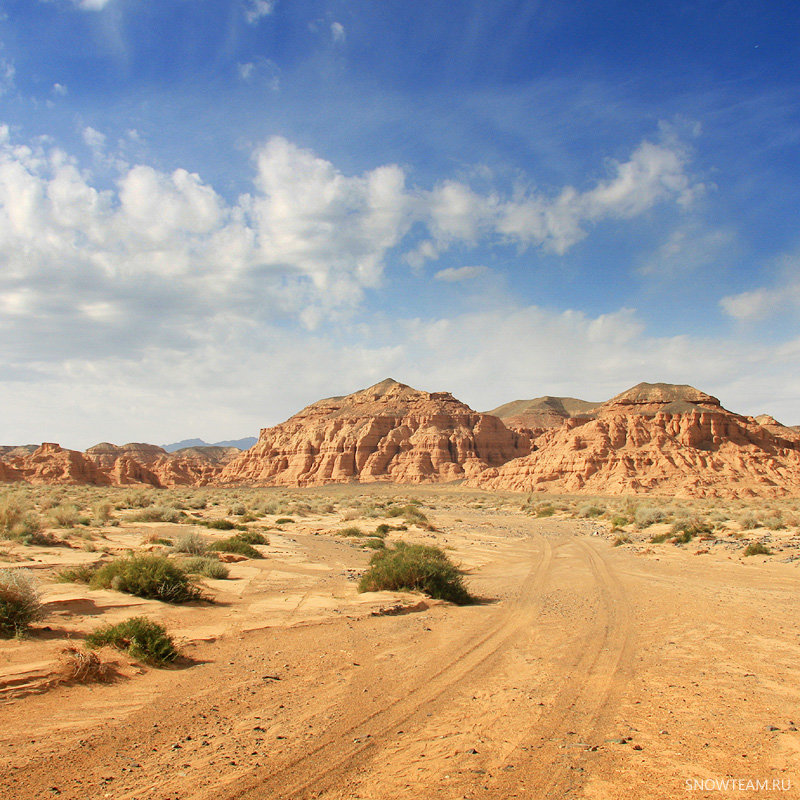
(139, 637)
(151, 576)
(415, 567)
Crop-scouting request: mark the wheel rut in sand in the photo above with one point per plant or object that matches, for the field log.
(593, 659)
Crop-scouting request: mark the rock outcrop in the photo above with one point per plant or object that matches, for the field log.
(106, 454)
(387, 432)
(534, 417)
(661, 439)
(52, 464)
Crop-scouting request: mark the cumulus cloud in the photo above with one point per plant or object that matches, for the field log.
(255, 10)
(457, 274)
(261, 70)
(654, 173)
(93, 138)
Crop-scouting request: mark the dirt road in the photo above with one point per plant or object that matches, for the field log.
(587, 672)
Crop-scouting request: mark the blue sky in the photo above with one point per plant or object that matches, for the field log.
(213, 213)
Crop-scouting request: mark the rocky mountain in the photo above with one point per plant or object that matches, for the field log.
(659, 438)
(541, 413)
(389, 432)
(240, 444)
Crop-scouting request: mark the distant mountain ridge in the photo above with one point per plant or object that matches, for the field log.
(241, 444)
(653, 438)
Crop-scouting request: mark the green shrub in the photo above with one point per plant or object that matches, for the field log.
(151, 576)
(685, 530)
(158, 514)
(660, 537)
(207, 567)
(19, 602)
(283, 520)
(619, 521)
(353, 530)
(140, 637)
(415, 567)
(192, 543)
(81, 573)
(235, 545)
(237, 509)
(620, 540)
(219, 524)
(409, 512)
(373, 543)
(382, 529)
(757, 549)
(252, 537)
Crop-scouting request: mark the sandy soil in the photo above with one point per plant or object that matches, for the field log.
(589, 671)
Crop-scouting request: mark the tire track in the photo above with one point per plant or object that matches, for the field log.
(331, 760)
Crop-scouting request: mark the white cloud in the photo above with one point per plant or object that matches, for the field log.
(263, 71)
(690, 247)
(337, 32)
(59, 89)
(255, 10)
(91, 5)
(769, 302)
(456, 274)
(93, 138)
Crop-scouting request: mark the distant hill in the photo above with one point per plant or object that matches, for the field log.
(241, 444)
(542, 412)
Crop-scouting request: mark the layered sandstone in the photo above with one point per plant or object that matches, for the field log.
(387, 432)
(52, 464)
(106, 454)
(193, 466)
(657, 438)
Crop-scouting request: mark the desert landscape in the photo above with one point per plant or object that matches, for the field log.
(550, 640)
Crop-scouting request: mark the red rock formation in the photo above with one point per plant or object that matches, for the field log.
(105, 453)
(386, 432)
(542, 413)
(51, 464)
(193, 466)
(9, 474)
(661, 439)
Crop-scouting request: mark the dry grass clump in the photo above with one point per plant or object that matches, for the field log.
(236, 545)
(65, 515)
(158, 514)
(102, 512)
(19, 602)
(645, 516)
(757, 549)
(83, 666)
(81, 573)
(18, 517)
(206, 567)
(192, 543)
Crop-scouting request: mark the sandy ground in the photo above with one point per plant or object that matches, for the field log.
(589, 671)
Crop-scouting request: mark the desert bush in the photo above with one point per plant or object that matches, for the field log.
(140, 637)
(774, 522)
(353, 530)
(217, 524)
(192, 543)
(102, 512)
(382, 529)
(757, 549)
(590, 510)
(415, 567)
(235, 545)
(14, 510)
(283, 520)
(80, 573)
(409, 512)
(660, 537)
(685, 530)
(150, 576)
(252, 537)
(237, 509)
(42, 539)
(645, 516)
(207, 567)
(623, 539)
(65, 516)
(749, 521)
(620, 521)
(158, 514)
(373, 543)
(19, 602)
(140, 499)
